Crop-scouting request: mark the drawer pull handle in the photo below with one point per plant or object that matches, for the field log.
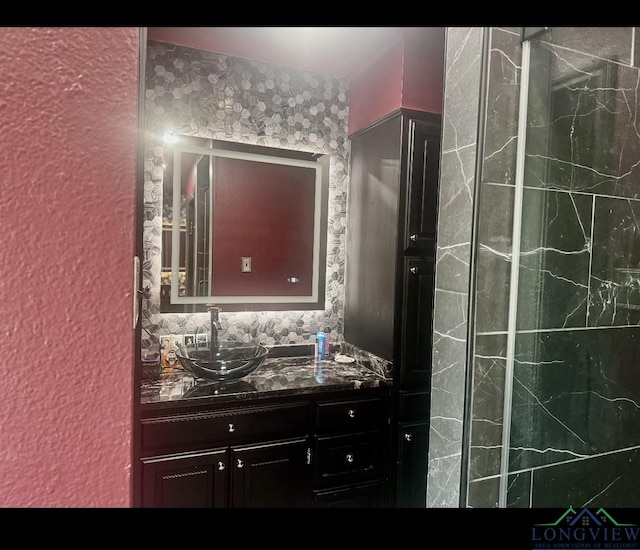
(308, 456)
(349, 458)
(232, 428)
(408, 437)
(240, 464)
(220, 465)
(414, 238)
(351, 413)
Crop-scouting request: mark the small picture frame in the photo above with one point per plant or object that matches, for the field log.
(178, 339)
(190, 340)
(166, 338)
(202, 339)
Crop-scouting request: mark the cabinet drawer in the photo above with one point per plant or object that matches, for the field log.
(352, 496)
(350, 415)
(347, 458)
(224, 427)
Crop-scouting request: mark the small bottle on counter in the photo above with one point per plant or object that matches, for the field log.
(320, 344)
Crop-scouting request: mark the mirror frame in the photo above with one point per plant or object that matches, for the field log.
(258, 153)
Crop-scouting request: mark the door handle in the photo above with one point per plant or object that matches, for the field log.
(136, 291)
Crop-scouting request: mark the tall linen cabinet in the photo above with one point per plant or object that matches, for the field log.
(389, 276)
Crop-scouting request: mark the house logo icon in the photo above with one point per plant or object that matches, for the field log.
(584, 528)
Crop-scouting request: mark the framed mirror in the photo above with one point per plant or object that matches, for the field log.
(244, 226)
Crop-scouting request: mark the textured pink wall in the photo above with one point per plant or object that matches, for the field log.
(67, 206)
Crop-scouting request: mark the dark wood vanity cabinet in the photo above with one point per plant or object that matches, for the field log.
(294, 452)
(350, 455)
(390, 275)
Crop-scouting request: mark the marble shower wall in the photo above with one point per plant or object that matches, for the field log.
(575, 417)
(457, 182)
(211, 95)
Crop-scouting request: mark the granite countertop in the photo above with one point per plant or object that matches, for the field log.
(278, 376)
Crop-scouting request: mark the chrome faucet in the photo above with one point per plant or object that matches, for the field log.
(216, 327)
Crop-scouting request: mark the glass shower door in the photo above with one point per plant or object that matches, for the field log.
(571, 430)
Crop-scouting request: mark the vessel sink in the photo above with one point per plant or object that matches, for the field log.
(226, 361)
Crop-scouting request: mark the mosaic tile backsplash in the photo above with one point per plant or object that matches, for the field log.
(205, 94)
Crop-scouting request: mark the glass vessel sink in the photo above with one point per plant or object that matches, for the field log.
(225, 361)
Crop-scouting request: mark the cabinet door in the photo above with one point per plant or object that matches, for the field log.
(275, 475)
(417, 322)
(423, 176)
(411, 488)
(194, 480)
(373, 240)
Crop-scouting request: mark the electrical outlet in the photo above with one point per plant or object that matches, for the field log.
(246, 265)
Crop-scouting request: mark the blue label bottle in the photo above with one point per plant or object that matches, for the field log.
(320, 347)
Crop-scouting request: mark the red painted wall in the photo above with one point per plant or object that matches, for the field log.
(405, 65)
(409, 75)
(384, 76)
(423, 69)
(272, 226)
(67, 207)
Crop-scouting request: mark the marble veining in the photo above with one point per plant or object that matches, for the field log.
(457, 176)
(278, 376)
(555, 256)
(485, 440)
(582, 129)
(574, 435)
(615, 272)
(574, 395)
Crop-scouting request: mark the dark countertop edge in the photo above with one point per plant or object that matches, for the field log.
(239, 398)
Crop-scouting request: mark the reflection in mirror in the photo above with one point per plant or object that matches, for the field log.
(243, 225)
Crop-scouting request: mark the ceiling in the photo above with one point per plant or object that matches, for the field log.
(337, 51)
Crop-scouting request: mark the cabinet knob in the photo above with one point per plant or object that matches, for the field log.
(349, 457)
(408, 437)
(351, 413)
(414, 238)
(414, 270)
(240, 463)
(232, 428)
(221, 466)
